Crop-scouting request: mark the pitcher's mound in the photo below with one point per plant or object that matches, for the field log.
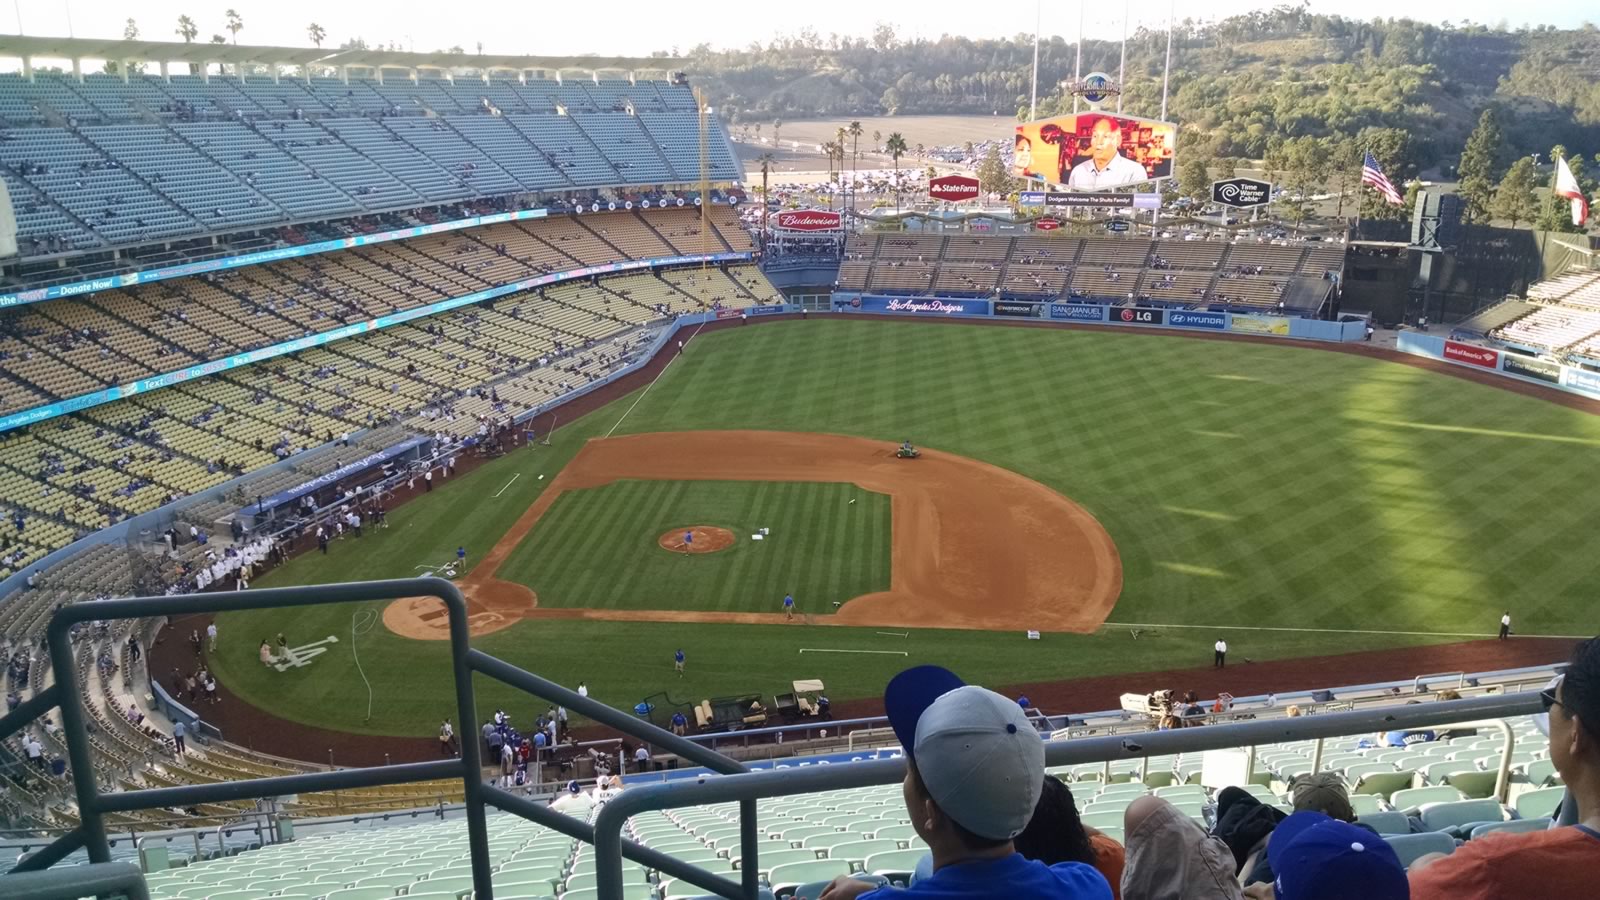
(707, 539)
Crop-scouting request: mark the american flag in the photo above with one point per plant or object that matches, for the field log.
(1371, 174)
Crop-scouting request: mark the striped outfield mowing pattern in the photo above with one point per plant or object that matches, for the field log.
(598, 547)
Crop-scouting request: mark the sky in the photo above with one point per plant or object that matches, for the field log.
(637, 28)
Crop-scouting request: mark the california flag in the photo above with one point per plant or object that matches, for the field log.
(1567, 186)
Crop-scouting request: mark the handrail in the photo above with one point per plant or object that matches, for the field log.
(1420, 680)
(868, 773)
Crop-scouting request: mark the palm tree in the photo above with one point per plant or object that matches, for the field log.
(235, 24)
(317, 33)
(187, 29)
(766, 161)
(777, 130)
(897, 148)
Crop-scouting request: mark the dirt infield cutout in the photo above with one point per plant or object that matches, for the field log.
(975, 546)
(706, 539)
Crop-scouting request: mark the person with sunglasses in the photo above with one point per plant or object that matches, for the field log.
(1557, 862)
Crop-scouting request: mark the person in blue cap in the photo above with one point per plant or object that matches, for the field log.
(974, 773)
(1317, 857)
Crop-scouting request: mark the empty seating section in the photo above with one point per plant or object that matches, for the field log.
(1561, 315)
(102, 162)
(1188, 273)
(69, 347)
(1553, 327)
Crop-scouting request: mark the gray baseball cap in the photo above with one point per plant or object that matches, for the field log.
(976, 752)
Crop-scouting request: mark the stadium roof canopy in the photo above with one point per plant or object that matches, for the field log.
(29, 47)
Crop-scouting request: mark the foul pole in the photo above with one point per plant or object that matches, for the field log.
(1077, 65)
(1166, 70)
(1033, 99)
(1122, 66)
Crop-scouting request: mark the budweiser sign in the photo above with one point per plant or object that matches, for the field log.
(1471, 355)
(954, 188)
(1047, 224)
(808, 220)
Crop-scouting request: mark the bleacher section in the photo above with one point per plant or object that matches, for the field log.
(1173, 273)
(1432, 795)
(1562, 316)
(68, 347)
(104, 163)
(69, 476)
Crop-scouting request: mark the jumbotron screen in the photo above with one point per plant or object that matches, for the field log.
(1095, 151)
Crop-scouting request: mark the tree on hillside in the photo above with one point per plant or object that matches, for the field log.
(855, 131)
(187, 29)
(235, 23)
(1513, 199)
(1194, 177)
(1480, 166)
(994, 174)
(896, 148)
(877, 139)
(130, 31)
(777, 131)
(317, 34)
(1344, 166)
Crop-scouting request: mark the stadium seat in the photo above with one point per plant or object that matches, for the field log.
(1540, 803)
(1412, 799)
(792, 875)
(1411, 847)
(1384, 784)
(895, 865)
(1452, 816)
(1386, 822)
(1514, 826)
(1473, 784)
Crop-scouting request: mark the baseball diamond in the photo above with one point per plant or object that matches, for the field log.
(1214, 467)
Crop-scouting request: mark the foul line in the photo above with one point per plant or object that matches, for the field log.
(653, 381)
(509, 483)
(1461, 634)
(898, 634)
(826, 650)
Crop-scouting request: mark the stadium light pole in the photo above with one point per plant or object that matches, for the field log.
(1166, 70)
(1033, 99)
(1077, 65)
(1122, 66)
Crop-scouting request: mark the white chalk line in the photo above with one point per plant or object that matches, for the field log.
(653, 381)
(509, 483)
(898, 634)
(1460, 634)
(827, 650)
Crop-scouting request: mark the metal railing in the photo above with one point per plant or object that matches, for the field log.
(606, 833)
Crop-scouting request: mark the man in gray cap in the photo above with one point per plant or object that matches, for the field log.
(974, 772)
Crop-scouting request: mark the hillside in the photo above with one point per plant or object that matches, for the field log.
(1236, 84)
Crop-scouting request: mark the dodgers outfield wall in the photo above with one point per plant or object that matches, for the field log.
(1544, 372)
(1095, 313)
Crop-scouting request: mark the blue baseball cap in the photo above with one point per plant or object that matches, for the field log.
(975, 752)
(1316, 857)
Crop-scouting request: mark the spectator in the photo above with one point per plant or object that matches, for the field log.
(1055, 834)
(974, 775)
(1170, 857)
(178, 732)
(641, 758)
(1315, 857)
(1559, 861)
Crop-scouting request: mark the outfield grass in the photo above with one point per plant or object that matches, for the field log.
(1244, 484)
(597, 547)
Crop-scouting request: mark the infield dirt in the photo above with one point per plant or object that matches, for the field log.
(974, 546)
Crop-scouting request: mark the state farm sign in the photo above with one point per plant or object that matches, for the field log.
(954, 188)
(1471, 355)
(808, 220)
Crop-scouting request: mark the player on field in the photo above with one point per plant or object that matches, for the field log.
(677, 662)
(788, 606)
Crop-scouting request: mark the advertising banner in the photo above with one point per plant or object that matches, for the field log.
(954, 188)
(1529, 367)
(727, 314)
(922, 306)
(763, 310)
(1078, 312)
(1137, 315)
(1047, 224)
(1016, 308)
(1065, 200)
(1241, 193)
(1472, 355)
(807, 220)
(1255, 325)
(1030, 198)
(1095, 151)
(1184, 319)
(1581, 380)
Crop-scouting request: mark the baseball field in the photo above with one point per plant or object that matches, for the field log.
(1088, 483)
